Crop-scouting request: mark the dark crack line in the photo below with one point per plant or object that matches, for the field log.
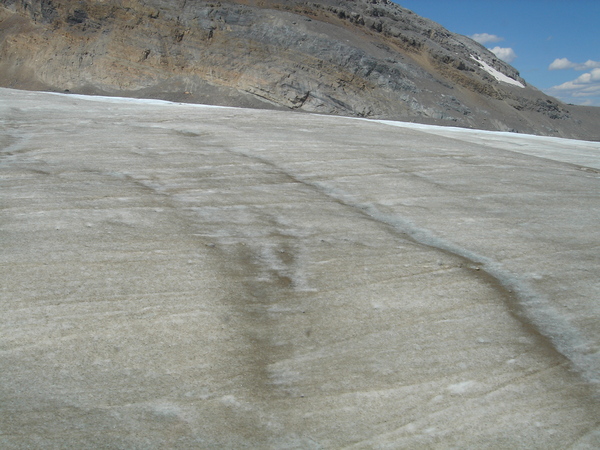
(530, 307)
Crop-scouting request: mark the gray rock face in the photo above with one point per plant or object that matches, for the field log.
(358, 58)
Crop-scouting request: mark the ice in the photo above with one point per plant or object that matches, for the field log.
(463, 387)
(584, 153)
(133, 101)
(180, 276)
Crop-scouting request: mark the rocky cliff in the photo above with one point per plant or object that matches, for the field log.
(358, 58)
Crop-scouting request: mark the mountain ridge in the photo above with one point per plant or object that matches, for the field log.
(356, 58)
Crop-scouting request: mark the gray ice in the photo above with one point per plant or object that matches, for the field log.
(181, 276)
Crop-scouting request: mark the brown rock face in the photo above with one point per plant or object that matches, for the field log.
(357, 58)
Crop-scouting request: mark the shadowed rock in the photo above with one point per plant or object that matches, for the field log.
(358, 58)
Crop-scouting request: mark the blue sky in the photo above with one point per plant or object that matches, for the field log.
(554, 44)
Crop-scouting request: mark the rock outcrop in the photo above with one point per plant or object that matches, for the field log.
(358, 58)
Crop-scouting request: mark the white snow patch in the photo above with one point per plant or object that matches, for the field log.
(137, 101)
(572, 151)
(462, 388)
(230, 400)
(497, 74)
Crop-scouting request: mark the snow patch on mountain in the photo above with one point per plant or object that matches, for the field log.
(497, 74)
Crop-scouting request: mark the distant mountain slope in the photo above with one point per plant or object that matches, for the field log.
(358, 58)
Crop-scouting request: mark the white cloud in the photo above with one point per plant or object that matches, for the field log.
(484, 38)
(589, 64)
(560, 64)
(587, 80)
(505, 54)
(564, 63)
(585, 89)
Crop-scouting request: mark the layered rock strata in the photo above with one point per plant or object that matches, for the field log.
(357, 58)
